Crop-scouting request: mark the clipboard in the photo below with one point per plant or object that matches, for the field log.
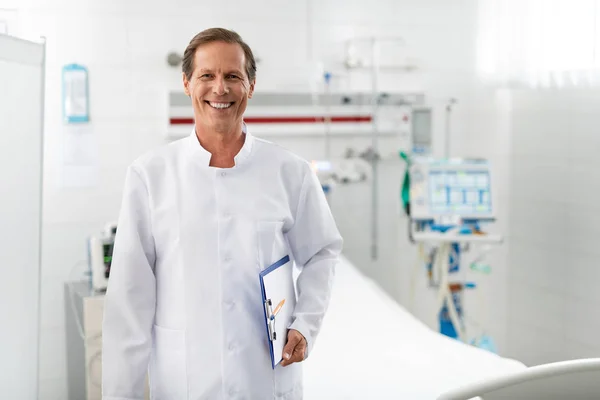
(278, 302)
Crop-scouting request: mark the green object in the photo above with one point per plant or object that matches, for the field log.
(405, 190)
(486, 269)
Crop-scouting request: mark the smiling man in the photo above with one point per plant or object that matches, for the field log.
(200, 218)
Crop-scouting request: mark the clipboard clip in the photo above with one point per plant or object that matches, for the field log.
(270, 319)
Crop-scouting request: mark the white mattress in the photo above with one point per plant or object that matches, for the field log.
(372, 348)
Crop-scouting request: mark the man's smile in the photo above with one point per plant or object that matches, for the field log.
(218, 105)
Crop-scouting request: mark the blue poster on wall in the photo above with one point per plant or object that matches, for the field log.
(75, 99)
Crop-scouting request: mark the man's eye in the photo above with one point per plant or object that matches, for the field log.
(205, 76)
(232, 76)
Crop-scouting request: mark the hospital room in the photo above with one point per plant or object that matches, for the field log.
(299, 199)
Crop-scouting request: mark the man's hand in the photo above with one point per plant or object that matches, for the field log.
(295, 348)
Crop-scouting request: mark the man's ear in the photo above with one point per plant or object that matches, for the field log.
(251, 88)
(186, 84)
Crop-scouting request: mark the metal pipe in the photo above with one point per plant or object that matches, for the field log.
(41, 217)
(327, 116)
(374, 161)
(451, 102)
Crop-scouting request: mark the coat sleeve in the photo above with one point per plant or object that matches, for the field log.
(130, 299)
(316, 245)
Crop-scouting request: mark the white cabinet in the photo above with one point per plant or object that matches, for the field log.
(21, 125)
(84, 313)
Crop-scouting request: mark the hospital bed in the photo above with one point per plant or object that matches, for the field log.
(575, 379)
(370, 347)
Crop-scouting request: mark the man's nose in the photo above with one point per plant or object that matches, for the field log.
(220, 87)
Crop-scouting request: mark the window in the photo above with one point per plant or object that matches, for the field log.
(539, 43)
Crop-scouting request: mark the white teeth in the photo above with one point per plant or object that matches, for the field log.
(219, 105)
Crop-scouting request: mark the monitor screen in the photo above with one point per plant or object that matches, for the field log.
(460, 192)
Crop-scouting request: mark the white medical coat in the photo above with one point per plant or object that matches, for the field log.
(183, 300)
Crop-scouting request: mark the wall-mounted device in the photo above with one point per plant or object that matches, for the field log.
(100, 250)
(421, 131)
(451, 188)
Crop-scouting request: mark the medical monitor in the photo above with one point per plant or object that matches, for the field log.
(450, 189)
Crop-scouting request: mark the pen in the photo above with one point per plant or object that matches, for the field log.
(277, 308)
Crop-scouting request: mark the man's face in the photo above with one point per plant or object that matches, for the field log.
(219, 86)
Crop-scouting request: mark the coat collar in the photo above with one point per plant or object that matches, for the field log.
(203, 156)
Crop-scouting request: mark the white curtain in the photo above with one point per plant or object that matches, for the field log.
(539, 43)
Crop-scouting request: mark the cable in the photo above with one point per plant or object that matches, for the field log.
(410, 234)
(482, 254)
(484, 315)
(77, 321)
(445, 295)
(413, 279)
(95, 358)
(72, 300)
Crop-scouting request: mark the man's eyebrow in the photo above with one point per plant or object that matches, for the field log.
(233, 71)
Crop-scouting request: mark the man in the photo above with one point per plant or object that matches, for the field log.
(201, 217)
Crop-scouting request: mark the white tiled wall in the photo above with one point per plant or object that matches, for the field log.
(554, 226)
(125, 43)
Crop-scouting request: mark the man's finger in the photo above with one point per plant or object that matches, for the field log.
(297, 356)
(292, 342)
(293, 359)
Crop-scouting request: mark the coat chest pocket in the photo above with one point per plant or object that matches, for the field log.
(271, 242)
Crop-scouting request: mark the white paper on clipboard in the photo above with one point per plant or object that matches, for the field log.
(279, 295)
